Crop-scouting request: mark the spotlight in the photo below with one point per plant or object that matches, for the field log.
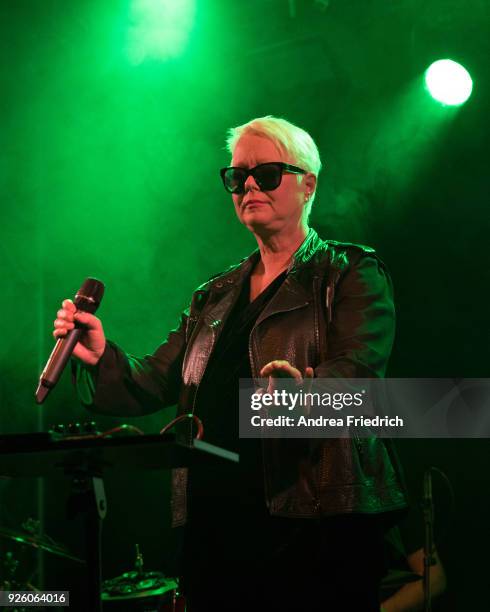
(448, 82)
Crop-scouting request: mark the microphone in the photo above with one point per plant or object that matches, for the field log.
(87, 299)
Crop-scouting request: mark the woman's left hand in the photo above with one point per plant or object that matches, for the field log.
(280, 368)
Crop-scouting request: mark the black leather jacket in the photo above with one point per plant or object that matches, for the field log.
(333, 312)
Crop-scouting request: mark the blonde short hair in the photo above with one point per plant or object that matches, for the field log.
(290, 139)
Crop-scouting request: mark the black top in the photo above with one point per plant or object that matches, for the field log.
(234, 495)
(217, 398)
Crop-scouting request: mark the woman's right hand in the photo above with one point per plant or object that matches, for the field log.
(92, 341)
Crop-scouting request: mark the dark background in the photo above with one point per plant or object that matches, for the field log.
(112, 131)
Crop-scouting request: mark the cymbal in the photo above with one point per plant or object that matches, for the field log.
(41, 542)
(132, 585)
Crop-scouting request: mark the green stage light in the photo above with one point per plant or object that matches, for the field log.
(159, 29)
(448, 82)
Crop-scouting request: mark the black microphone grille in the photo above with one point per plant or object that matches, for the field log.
(89, 295)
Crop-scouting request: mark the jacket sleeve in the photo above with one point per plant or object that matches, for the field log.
(362, 326)
(123, 385)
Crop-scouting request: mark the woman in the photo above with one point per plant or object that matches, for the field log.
(298, 520)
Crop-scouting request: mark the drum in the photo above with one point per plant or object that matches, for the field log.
(142, 592)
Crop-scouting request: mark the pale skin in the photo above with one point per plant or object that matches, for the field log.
(278, 220)
(410, 597)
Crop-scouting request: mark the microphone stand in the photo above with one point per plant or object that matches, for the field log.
(428, 507)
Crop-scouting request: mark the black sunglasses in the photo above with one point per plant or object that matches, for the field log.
(267, 176)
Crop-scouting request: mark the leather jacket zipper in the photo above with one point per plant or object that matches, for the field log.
(358, 443)
(255, 376)
(194, 399)
(329, 297)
